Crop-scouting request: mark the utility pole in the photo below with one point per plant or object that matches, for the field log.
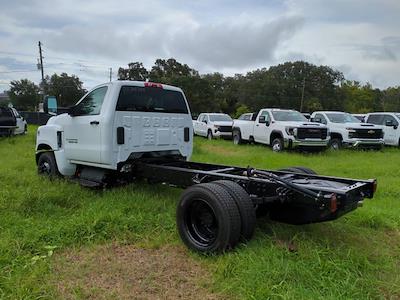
(110, 74)
(41, 60)
(302, 94)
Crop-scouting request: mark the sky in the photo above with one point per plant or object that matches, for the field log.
(360, 38)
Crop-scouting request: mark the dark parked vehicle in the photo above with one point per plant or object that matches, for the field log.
(11, 122)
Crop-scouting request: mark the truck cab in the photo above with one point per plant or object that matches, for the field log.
(117, 122)
(213, 125)
(281, 129)
(348, 131)
(390, 124)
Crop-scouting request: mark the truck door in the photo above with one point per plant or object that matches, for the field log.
(391, 131)
(83, 128)
(262, 129)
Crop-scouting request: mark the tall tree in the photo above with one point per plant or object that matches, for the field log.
(67, 89)
(135, 71)
(164, 70)
(24, 94)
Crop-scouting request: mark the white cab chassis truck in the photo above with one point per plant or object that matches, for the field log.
(348, 131)
(281, 129)
(390, 123)
(213, 125)
(126, 130)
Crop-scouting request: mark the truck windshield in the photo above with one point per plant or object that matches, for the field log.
(342, 118)
(216, 118)
(151, 99)
(288, 115)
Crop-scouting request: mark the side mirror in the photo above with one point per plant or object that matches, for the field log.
(267, 123)
(50, 105)
(261, 120)
(71, 111)
(390, 123)
(205, 121)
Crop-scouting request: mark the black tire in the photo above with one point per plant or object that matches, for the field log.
(237, 137)
(26, 129)
(277, 145)
(335, 144)
(303, 170)
(208, 219)
(209, 135)
(245, 206)
(47, 165)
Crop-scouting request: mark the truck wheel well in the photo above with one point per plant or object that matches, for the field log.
(274, 135)
(40, 149)
(335, 135)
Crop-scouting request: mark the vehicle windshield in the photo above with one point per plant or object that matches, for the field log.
(342, 118)
(216, 118)
(288, 115)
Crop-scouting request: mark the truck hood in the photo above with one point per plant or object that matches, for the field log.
(356, 125)
(223, 123)
(301, 124)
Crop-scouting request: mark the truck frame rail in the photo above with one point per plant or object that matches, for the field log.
(291, 197)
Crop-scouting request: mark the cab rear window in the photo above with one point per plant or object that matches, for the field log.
(151, 99)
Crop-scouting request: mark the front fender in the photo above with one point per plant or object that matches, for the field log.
(47, 135)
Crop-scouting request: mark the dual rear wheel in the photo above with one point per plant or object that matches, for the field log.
(215, 217)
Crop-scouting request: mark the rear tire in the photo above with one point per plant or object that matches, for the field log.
(277, 145)
(208, 219)
(47, 165)
(237, 137)
(245, 206)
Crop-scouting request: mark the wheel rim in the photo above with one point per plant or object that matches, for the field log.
(236, 139)
(201, 223)
(44, 168)
(335, 146)
(276, 147)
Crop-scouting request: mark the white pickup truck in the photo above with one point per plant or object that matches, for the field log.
(213, 125)
(390, 124)
(127, 130)
(280, 128)
(348, 131)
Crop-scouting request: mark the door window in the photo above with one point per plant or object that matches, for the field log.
(91, 104)
(266, 115)
(321, 117)
(375, 119)
(390, 118)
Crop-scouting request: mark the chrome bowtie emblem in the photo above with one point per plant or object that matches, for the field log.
(371, 131)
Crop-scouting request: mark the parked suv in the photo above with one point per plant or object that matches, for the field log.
(213, 125)
(347, 130)
(280, 128)
(390, 123)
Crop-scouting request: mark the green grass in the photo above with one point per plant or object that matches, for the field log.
(355, 257)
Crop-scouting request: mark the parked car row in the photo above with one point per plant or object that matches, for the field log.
(11, 122)
(288, 129)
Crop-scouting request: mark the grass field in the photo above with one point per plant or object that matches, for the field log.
(50, 230)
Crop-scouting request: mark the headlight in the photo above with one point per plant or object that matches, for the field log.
(291, 130)
(216, 127)
(351, 129)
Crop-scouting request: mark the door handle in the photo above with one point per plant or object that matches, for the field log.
(94, 123)
(257, 125)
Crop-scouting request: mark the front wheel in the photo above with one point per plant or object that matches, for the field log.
(209, 135)
(47, 165)
(237, 137)
(335, 144)
(277, 145)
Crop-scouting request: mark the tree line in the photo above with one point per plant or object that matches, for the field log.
(297, 85)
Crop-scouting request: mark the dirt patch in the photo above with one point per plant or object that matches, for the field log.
(128, 272)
